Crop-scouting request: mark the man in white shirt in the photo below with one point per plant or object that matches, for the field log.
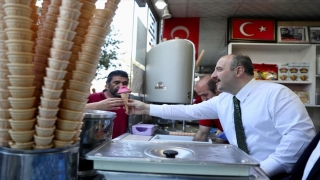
(276, 124)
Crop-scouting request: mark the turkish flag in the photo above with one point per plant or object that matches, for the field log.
(252, 29)
(182, 28)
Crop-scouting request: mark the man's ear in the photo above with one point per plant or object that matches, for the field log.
(240, 71)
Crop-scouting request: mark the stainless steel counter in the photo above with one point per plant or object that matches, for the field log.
(255, 174)
(145, 160)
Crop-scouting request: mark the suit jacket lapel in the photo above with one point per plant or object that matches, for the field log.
(315, 171)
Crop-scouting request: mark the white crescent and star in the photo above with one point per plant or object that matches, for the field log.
(180, 28)
(242, 31)
(262, 28)
(241, 28)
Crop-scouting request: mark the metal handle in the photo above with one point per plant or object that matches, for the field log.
(170, 153)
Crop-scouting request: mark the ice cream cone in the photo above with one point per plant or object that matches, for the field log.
(125, 97)
(124, 93)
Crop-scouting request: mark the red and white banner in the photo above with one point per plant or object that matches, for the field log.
(252, 29)
(182, 28)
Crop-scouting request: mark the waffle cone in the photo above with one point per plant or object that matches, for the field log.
(125, 97)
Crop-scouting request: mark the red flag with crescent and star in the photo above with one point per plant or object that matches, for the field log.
(182, 28)
(252, 29)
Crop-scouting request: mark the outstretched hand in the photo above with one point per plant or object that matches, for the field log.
(138, 107)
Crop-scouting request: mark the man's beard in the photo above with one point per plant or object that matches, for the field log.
(114, 92)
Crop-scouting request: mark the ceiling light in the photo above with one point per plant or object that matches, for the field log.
(166, 14)
(161, 4)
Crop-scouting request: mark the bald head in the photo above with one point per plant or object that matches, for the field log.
(206, 88)
(203, 82)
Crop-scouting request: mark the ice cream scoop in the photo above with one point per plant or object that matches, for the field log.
(124, 89)
(124, 93)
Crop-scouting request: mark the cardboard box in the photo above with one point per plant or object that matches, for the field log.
(294, 71)
(304, 96)
(304, 71)
(283, 72)
(265, 71)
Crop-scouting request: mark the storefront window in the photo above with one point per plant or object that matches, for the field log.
(136, 28)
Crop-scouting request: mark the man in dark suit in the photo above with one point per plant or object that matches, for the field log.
(300, 167)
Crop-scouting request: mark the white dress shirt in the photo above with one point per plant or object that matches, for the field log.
(276, 123)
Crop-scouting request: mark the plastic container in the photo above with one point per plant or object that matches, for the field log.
(143, 129)
(97, 129)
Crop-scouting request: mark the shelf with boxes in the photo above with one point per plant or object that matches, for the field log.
(290, 82)
(295, 65)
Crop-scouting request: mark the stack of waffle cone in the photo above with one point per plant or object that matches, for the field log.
(47, 88)
(86, 12)
(86, 52)
(4, 82)
(20, 46)
(45, 30)
(89, 39)
(35, 17)
(75, 94)
(56, 73)
(44, 86)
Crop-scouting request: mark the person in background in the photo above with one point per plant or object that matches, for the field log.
(276, 127)
(110, 100)
(93, 90)
(206, 89)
